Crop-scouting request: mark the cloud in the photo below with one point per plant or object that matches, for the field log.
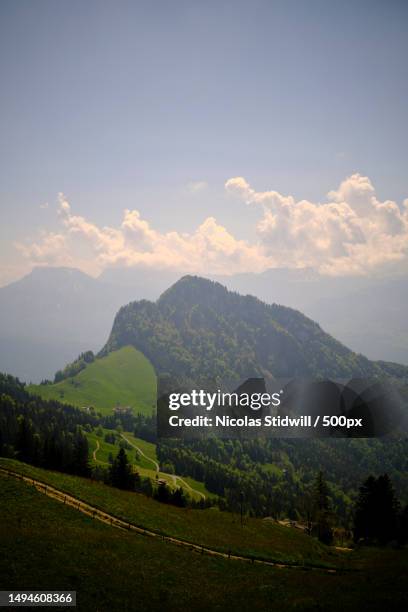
(352, 233)
(194, 187)
(209, 249)
(51, 249)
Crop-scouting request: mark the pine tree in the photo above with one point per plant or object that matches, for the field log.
(178, 498)
(25, 440)
(121, 472)
(376, 514)
(80, 460)
(322, 510)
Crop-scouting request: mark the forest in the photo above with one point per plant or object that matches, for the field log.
(306, 481)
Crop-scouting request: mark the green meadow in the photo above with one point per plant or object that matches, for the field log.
(46, 545)
(124, 377)
(222, 531)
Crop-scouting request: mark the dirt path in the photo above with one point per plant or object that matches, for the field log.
(113, 521)
(174, 477)
(139, 450)
(189, 487)
(98, 446)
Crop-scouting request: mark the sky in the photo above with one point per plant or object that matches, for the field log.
(217, 136)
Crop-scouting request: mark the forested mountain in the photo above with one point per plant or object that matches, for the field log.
(199, 330)
(367, 313)
(51, 315)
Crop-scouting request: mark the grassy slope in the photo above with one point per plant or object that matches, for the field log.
(123, 377)
(218, 530)
(143, 466)
(47, 546)
(149, 449)
(102, 454)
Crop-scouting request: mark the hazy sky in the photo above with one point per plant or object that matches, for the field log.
(158, 107)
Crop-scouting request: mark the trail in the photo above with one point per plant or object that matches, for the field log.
(98, 446)
(189, 486)
(114, 521)
(139, 450)
(157, 468)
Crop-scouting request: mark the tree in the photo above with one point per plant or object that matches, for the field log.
(163, 493)
(387, 509)
(25, 440)
(376, 513)
(178, 498)
(80, 460)
(121, 472)
(322, 510)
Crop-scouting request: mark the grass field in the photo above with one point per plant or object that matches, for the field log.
(218, 530)
(124, 377)
(145, 463)
(45, 545)
(193, 487)
(102, 450)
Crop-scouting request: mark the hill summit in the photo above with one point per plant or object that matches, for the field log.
(200, 330)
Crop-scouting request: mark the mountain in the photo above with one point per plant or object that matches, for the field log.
(199, 330)
(367, 314)
(50, 316)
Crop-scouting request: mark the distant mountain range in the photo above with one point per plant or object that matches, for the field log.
(53, 314)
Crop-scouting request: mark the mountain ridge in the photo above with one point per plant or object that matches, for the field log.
(198, 328)
(52, 314)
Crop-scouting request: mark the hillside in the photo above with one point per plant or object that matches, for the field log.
(220, 531)
(124, 377)
(40, 330)
(198, 329)
(142, 455)
(94, 558)
(366, 313)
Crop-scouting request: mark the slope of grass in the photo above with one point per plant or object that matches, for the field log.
(149, 450)
(99, 451)
(124, 377)
(45, 545)
(218, 530)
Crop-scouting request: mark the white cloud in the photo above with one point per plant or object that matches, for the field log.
(51, 249)
(351, 233)
(210, 248)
